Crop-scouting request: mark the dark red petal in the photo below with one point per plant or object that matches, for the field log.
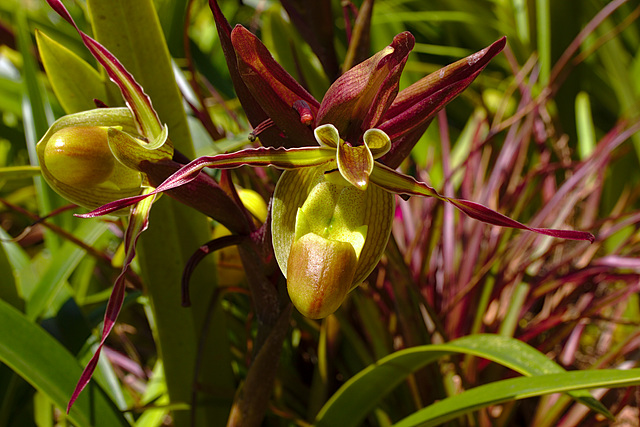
(396, 182)
(137, 100)
(489, 216)
(272, 87)
(261, 156)
(414, 107)
(137, 225)
(360, 98)
(271, 136)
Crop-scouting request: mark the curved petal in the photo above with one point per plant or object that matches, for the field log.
(355, 164)
(377, 141)
(327, 135)
(398, 183)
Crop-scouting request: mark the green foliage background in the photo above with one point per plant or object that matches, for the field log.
(575, 303)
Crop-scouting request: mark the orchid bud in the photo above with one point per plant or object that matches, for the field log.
(78, 163)
(79, 155)
(328, 235)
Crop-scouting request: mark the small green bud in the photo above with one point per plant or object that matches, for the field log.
(77, 161)
(79, 156)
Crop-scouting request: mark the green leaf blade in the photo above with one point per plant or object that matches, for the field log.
(74, 81)
(358, 396)
(516, 389)
(43, 362)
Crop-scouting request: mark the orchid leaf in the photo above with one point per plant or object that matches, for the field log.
(10, 291)
(35, 113)
(19, 172)
(358, 396)
(519, 388)
(398, 183)
(75, 82)
(63, 263)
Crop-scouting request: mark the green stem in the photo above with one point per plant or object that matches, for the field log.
(544, 39)
(510, 323)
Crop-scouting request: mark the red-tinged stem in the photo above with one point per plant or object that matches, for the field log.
(203, 251)
(252, 401)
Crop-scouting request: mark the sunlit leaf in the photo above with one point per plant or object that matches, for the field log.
(360, 394)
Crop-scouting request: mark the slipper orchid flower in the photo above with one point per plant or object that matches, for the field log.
(333, 206)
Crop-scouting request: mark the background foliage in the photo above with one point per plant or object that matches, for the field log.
(546, 134)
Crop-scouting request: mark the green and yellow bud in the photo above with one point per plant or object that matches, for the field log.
(78, 161)
(79, 155)
(328, 235)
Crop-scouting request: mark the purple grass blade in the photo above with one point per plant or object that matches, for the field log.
(314, 21)
(138, 102)
(138, 223)
(280, 158)
(618, 261)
